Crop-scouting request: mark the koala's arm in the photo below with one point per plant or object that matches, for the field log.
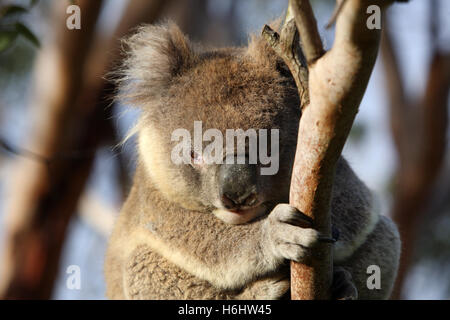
(366, 238)
(378, 257)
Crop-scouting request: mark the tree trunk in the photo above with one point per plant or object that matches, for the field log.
(336, 81)
(70, 104)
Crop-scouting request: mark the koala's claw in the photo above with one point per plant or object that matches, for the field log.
(343, 287)
(289, 233)
(290, 215)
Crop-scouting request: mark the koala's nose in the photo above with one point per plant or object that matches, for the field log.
(238, 185)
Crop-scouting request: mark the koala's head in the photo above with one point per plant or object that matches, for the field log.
(189, 97)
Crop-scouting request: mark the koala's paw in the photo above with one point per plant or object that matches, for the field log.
(343, 287)
(288, 234)
(271, 288)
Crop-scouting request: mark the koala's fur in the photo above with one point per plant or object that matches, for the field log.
(173, 238)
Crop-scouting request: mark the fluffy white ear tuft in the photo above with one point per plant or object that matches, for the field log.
(154, 55)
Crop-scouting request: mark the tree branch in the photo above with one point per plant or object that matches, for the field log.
(401, 114)
(417, 175)
(307, 27)
(287, 46)
(71, 116)
(419, 128)
(337, 81)
(36, 217)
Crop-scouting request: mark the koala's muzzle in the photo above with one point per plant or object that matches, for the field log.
(238, 185)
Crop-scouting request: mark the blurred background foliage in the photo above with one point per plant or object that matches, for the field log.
(27, 28)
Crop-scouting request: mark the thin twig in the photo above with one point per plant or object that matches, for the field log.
(336, 11)
(307, 27)
(287, 46)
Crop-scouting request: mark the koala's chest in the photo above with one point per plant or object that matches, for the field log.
(150, 276)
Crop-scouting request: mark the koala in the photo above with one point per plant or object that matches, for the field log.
(201, 230)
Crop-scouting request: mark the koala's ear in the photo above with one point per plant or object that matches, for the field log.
(262, 54)
(154, 56)
(260, 51)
